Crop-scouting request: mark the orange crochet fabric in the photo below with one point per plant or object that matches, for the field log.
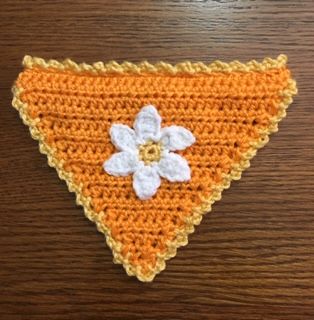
(230, 109)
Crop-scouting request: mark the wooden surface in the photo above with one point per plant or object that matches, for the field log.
(251, 258)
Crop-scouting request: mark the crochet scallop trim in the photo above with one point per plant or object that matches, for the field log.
(181, 238)
(145, 66)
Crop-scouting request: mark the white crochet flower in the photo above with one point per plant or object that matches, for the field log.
(146, 153)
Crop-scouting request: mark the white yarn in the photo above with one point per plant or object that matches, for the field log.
(147, 124)
(176, 138)
(174, 168)
(123, 137)
(146, 181)
(146, 177)
(121, 163)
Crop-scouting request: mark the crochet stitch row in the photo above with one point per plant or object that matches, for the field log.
(231, 108)
(183, 67)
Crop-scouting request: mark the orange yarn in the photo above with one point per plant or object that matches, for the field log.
(226, 111)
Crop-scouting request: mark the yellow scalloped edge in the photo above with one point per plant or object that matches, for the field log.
(145, 66)
(196, 217)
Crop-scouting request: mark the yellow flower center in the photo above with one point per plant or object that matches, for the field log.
(150, 152)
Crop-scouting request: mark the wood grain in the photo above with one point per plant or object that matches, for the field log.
(251, 258)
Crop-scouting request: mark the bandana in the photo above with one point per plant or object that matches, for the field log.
(148, 148)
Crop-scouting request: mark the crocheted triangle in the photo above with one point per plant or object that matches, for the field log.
(230, 108)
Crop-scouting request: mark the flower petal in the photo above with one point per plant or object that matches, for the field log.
(174, 168)
(121, 164)
(176, 138)
(147, 124)
(146, 181)
(123, 137)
